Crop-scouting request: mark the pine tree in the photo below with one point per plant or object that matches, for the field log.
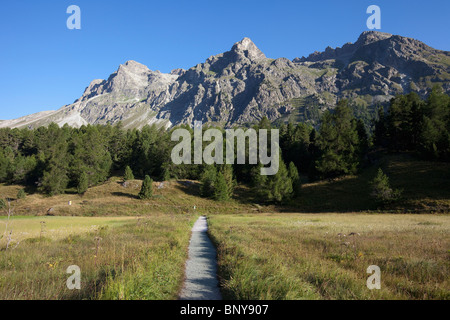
(363, 139)
(52, 145)
(259, 182)
(83, 183)
(380, 129)
(54, 181)
(279, 186)
(90, 154)
(128, 174)
(147, 188)
(435, 134)
(338, 143)
(404, 122)
(7, 168)
(264, 123)
(227, 171)
(381, 189)
(221, 192)
(21, 194)
(208, 181)
(295, 178)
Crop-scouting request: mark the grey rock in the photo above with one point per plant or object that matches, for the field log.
(242, 85)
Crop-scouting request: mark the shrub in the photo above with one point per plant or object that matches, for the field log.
(147, 188)
(382, 191)
(128, 174)
(21, 194)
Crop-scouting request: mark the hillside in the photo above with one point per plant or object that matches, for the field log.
(425, 186)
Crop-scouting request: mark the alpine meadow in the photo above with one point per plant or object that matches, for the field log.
(321, 177)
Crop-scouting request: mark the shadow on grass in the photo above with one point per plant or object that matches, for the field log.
(127, 195)
(189, 187)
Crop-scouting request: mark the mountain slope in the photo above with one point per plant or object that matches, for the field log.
(243, 85)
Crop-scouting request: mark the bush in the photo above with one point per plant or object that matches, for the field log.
(147, 188)
(128, 174)
(21, 194)
(382, 191)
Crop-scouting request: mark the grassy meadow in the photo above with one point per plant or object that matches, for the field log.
(129, 248)
(314, 256)
(113, 199)
(133, 258)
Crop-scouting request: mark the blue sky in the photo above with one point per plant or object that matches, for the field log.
(45, 66)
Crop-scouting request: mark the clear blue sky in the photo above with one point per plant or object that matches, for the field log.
(45, 66)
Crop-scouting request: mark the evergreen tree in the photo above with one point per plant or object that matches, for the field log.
(363, 139)
(264, 123)
(21, 194)
(221, 192)
(83, 183)
(381, 189)
(128, 174)
(147, 188)
(338, 143)
(117, 146)
(435, 133)
(404, 122)
(6, 163)
(90, 155)
(22, 168)
(54, 180)
(227, 172)
(279, 186)
(380, 129)
(53, 158)
(258, 181)
(295, 178)
(208, 180)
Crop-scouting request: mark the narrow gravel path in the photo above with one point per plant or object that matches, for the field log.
(201, 267)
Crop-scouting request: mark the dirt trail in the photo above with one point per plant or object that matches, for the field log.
(201, 267)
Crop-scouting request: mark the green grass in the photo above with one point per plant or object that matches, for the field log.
(425, 185)
(301, 256)
(141, 254)
(112, 199)
(143, 246)
(139, 259)
(56, 227)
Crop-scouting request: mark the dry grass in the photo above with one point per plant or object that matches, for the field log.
(301, 256)
(55, 228)
(135, 259)
(143, 244)
(113, 199)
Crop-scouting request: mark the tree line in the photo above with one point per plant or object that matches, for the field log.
(52, 159)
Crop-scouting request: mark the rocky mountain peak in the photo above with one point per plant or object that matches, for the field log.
(249, 49)
(241, 86)
(132, 67)
(130, 75)
(368, 37)
(93, 89)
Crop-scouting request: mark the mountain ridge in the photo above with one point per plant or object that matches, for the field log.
(243, 85)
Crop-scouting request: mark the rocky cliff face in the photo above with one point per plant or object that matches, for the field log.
(243, 85)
